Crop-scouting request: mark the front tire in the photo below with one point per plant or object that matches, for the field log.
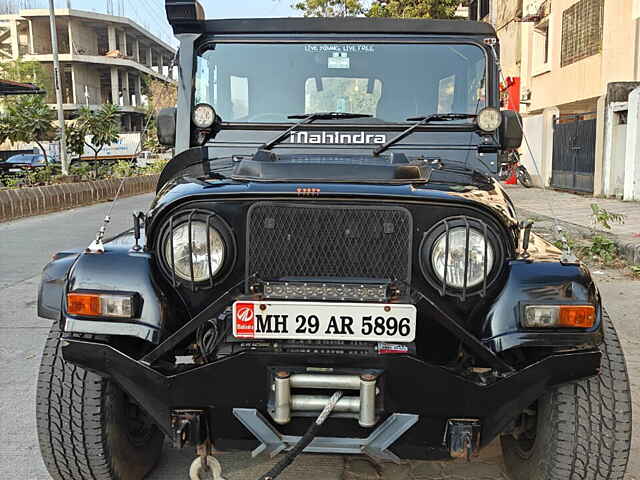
(525, 179)
(88, 428)
(582, 430)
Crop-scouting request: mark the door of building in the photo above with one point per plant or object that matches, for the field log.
(574, 152)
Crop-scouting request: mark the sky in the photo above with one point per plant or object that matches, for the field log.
(150, 13)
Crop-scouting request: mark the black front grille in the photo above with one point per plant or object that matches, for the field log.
(329, 242)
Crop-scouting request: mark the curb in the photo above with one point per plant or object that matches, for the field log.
(628, 247)
(29, 201)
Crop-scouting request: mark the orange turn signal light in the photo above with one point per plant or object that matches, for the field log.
(559, 316)
(577, 317)
(83, 304)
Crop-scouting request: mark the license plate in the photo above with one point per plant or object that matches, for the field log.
(325, 321)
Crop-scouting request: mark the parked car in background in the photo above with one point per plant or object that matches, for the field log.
(20, 165)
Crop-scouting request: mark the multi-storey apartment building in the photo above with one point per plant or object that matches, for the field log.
(575, 64)
(103, 57)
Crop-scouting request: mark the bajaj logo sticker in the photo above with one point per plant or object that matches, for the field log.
(244, 320)
(338, 138)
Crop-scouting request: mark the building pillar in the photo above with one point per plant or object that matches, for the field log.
(32, 49)
(161, 64)
(150, 58)
(111, 33)
(126, 93)
(136, 50)
(546, 167)
(123, 43)
(632, 157)
(602, 167)
(15, 47)
(139, 91)
(74, 87)
(115, 86)
(72, 45)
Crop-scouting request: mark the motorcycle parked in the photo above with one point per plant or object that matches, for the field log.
(512, 168)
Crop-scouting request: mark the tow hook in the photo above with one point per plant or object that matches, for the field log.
(190, 428)
(205, 463)
(462, 437)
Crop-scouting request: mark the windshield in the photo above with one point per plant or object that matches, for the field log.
(267, 82)
(20, 159)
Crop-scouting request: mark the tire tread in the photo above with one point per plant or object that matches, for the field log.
(69, 417)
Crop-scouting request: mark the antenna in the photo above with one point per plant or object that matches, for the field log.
(568, 256)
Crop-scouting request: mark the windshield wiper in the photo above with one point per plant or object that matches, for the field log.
(434, 117)
(308, 118)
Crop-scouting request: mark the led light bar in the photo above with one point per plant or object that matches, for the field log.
(100, 305)
(559, 316)
(361, 292)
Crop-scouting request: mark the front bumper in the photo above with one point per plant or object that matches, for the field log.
(409, 386)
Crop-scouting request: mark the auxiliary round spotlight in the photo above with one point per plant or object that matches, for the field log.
(203, 115)
(489, 119)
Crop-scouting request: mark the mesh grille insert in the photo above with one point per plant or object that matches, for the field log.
(328, 241)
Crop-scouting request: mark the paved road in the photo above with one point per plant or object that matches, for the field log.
(28, 244)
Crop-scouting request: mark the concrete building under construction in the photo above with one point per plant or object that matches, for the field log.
(103, 58)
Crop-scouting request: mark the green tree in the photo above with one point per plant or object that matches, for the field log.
(414, 8)
(330, 8)
(25, 71)
(95, 129)
(29, 120)
(159, 95)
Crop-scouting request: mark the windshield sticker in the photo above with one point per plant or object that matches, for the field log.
(339, 48)
(338, 138)
(339, 60)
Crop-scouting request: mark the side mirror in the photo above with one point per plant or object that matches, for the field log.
(166, 122)
(511, 130)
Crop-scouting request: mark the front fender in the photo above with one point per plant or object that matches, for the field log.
(53, 285)
(540, 283)
(118, 269)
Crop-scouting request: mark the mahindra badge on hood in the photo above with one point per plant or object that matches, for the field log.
(338, 138)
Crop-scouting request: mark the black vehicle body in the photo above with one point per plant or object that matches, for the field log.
(472, 358)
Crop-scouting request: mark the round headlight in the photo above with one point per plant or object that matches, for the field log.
(203, 259)
(489, 119)
(203, 115)
(455, 257)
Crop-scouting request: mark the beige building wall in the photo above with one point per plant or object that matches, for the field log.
(575, 88)
(509, 29)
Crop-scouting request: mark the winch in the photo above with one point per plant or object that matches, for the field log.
(287, 404)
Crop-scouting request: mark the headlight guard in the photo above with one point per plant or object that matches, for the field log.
(471, 230)
(203, 237)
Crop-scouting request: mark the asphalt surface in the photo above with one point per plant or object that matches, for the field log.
(28, 244)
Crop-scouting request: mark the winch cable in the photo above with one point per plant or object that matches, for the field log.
(97, 246)
(557, 228)
(304, 441)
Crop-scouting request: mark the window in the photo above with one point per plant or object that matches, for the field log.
(239, 96)
(266, 83)
(331, 94)
(446, 94)
(473, 10)
(484, 8)
(541, 47)
(582, 31)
